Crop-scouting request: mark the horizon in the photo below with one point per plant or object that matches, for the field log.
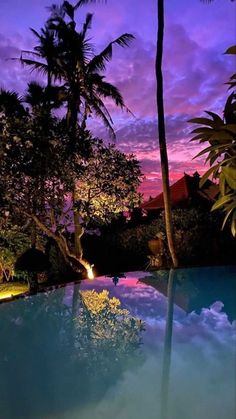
(195, 71)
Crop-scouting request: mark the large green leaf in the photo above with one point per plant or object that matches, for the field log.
(209, 172)
(231, 128)
(228, 209)
(231, 50)
(221, 202)
(230, 176)
(204, 130)
(202, 137)
(212, 148)
(216, 117)
(203, 121)
(222, 183)
(221, 135)
(233, 223)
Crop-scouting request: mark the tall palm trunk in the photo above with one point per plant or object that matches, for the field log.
(162, 136)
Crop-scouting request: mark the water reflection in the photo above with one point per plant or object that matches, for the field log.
(167, 345)
(82, 351)
(116, 277)
(209, 340)
(66, 354)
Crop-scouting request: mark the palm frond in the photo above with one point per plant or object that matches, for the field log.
(11, 103)
(35, 54)
(84, 2)
(106, 121)
(34, 94)
(35, 33)
(69, 9)
(87, 23)
(94, 99)
(56, 11)
(35, 65)
(108, 90)
(98, 63)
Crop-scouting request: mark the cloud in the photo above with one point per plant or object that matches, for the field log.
(194, 69)
(193, 82)
(200, 343)
(13, 75)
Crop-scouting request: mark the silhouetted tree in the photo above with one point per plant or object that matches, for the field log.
(162, 136)
(84, 87)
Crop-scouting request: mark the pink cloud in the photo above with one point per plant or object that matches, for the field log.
(195, 70)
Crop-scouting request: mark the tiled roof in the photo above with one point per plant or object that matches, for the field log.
(184, 189)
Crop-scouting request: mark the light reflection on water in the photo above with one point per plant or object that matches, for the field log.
(105, 365)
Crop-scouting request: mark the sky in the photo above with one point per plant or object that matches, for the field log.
(194, 69)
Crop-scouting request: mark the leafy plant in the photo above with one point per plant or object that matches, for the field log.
(220, 134)
(13, 242)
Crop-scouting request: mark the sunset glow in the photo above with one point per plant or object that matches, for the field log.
(195, 69)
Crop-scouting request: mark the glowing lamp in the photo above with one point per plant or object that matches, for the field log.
(90, 273)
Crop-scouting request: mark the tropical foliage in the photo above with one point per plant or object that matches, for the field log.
(65, 54)
(13, 242)
(105, 329)
(220, 135)
(107, 185)
(198, 237)
(38, 175)
(52, 167)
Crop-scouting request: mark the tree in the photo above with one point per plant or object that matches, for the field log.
(11, 104)
(43, 56)
(84, 88)
(42, 100)
(37, 177)
(107, 185)
(220, 134)
(162, 136)
(13, 242)
(37, 173)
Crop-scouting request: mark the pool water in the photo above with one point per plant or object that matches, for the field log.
(142, 345)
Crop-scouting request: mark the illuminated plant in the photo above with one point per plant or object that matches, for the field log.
(220, 135)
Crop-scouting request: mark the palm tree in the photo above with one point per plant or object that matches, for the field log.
(85, 86)
(42, 100)
(43, 54)
(78, 69)
(66, 55)
(162, 136)
(11, 103)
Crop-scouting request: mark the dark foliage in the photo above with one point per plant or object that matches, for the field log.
(198, 235)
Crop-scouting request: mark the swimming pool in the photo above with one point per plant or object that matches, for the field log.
(140, 345)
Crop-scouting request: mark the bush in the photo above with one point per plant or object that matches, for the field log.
(199, 241)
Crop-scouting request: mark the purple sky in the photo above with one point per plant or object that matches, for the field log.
(195, 69)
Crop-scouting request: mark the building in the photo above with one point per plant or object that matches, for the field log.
(185, 192)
